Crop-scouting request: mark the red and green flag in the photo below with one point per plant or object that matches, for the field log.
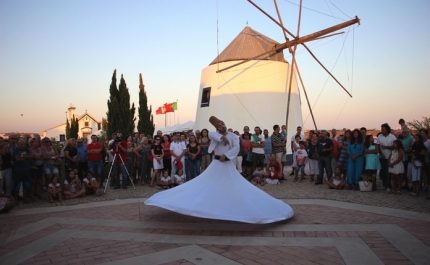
(171, 107)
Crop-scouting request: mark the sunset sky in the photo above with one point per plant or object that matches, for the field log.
(53, 53)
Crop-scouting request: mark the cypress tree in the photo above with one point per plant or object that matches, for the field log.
(67, 129)
(112, 114)
(74, 127)
(127, 113)
(146, 120)
(120, 116)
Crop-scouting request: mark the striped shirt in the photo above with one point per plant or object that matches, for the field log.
(277, 139)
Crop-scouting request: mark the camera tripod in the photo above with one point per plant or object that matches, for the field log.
(110, 170)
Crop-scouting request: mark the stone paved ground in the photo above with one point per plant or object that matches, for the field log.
(287, 190)
(329, 227)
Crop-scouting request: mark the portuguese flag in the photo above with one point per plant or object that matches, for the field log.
(171, 107)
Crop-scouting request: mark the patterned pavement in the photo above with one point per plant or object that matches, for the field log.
(329, 227)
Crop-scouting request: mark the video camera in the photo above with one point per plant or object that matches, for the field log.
(117, 139)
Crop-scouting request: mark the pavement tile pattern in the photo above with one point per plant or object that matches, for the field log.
(329, 227)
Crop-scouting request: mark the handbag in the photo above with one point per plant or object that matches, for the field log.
(249, 157)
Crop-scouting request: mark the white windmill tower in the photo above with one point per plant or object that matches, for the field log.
(250, 82)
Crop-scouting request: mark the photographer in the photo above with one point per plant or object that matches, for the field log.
(118, 147)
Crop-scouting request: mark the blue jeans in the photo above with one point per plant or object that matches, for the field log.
(96, 168)
(194, 166)
(383, 173)
(120, 167)
(324, 162)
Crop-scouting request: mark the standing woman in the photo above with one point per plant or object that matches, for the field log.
(313, 157)
(167, 158)
(342, 163)
(51, 161)
(36, 169)
(157, 153)
(355, 160)
(204, 143)
(295, 147)
(142, 154)
(246, 146)
(129, 161)
(193, 150)
(419, 149)
(395, 167)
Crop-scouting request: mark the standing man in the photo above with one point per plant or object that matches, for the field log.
(258, 143)
(278, 143)
(334, 135)
(95, 161)
(268, 146)
(384, 146)
(21, 170)
(83, 158)
(178, 150)
(119, 147)
(284, 138)
(363, 131)
(325, 146)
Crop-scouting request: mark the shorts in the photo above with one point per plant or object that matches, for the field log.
(300, 168)
(49, 170)
(257, 159)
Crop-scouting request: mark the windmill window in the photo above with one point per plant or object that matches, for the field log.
(86, 124)
(206, 95)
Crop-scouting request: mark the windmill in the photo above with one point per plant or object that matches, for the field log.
(291, 45)
(252, 71)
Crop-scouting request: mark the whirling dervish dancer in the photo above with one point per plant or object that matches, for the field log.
(220, 192)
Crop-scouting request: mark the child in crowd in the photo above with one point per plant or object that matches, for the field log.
(258, 175)
(179, 178)
(396, 168)
(415, 172)
(337, 181)
(91, 185)
(54, 190)
(165, 181)
(273, 176)
(301, 157)
(73, 187)
(371, 154)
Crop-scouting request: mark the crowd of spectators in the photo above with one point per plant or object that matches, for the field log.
(165, 161)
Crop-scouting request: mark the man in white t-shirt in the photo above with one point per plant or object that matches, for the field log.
(178, 150)
(384, 146)
(258, 143)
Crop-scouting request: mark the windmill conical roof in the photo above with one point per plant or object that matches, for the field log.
(248, 44)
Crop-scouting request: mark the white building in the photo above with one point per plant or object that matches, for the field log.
(87, 126)
(254, 93)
